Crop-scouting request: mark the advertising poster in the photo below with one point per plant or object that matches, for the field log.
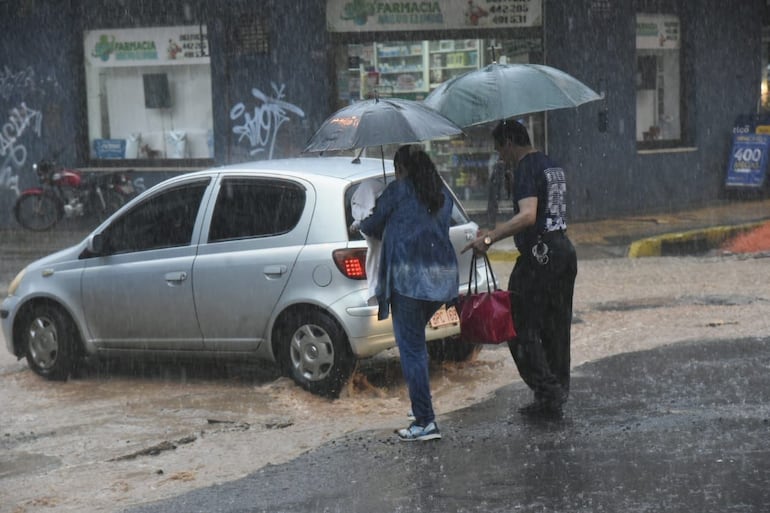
(748, 160)
(657, 32)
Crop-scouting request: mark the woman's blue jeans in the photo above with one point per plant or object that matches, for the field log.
(409, 319)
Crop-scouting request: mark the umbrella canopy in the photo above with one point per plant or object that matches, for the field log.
(379, 122)
(502, 91)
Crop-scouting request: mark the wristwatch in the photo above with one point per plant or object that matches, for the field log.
(488, 240)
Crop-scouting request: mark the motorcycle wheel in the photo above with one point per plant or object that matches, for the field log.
(37, 212)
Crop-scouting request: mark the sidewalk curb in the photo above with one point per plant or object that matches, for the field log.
(673, 243)
(502, 255)
(708, 238)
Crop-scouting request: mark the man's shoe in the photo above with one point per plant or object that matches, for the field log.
(410, 415)
(542, 408)
(416, 433)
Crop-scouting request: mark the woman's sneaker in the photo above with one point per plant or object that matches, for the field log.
(419, 433)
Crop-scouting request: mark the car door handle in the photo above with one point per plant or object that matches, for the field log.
(175, 277)
(275, 271)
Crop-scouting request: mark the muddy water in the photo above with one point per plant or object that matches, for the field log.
(136, 432)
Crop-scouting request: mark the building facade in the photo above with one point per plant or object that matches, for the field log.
(165, 88)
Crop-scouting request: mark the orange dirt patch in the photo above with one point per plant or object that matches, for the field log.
(754, 241)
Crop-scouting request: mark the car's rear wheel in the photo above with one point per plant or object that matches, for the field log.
(314, 352)
(452, 349)
(50, 341)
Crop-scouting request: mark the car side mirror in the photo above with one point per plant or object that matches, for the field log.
(96, 244)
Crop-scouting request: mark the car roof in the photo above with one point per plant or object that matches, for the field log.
(334, 167)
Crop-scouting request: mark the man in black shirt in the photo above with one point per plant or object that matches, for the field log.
(543, 279)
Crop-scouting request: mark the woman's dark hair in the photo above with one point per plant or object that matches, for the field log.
(401, 156)
(511, 130)
(423, 174)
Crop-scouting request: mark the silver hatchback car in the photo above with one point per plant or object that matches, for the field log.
(246, 261)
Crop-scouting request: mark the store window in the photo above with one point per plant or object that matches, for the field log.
(658, 80)
(411, 69)
(406, 49)
(149, 93)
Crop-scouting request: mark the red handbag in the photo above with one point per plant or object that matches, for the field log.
(485, 317)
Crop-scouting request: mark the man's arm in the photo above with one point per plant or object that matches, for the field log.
(526, 217)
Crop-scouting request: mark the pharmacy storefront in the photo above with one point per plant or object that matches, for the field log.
(407, 49)
(149, 93)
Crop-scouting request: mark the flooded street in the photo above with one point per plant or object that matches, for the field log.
(132, 432)
(224, 157)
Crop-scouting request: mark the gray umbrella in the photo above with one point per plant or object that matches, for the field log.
(379, 122)
(502, 91)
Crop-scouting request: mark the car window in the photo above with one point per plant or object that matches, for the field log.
(349, 212)
(165, 220)
(256, 207)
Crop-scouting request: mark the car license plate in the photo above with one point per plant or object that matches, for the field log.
(444, 316)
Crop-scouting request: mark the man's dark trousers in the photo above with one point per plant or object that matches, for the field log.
(541, 300)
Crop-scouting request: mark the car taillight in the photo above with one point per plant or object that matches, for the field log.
(351, 262)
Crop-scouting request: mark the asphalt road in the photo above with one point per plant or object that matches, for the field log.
(681, 428)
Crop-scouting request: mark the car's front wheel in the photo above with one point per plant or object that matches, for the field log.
(50, 341)
(314, 352)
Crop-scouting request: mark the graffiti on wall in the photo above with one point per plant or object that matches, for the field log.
(24, 82)
(261, 128)
(13, 153)
(23, 121)
(13, 82)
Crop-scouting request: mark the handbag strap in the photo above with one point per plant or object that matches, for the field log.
(473, 278)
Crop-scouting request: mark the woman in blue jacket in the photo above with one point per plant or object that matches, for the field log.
(418, 270)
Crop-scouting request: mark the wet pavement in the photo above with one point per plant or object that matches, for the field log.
(680, 428)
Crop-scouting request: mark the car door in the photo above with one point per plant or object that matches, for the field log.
(137, 294)
(258, 226)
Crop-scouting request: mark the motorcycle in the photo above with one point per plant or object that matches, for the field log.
(67, 193)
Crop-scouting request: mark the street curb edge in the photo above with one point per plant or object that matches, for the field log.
(713, 237)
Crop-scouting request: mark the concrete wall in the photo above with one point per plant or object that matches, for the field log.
(265, 104)
(38, 96)
(720, 77)
(41, 66)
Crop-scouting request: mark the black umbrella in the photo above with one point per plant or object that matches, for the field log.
(379, 122)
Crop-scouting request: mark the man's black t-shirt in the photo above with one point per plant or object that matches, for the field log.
(537, 175)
